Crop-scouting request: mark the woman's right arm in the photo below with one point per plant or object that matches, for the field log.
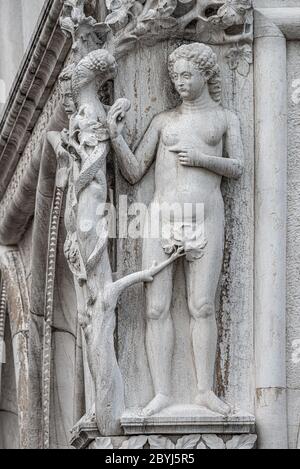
(133, 165)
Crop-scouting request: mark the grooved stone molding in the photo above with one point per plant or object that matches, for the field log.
(31, 90)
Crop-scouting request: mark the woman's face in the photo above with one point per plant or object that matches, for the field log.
(189, 82)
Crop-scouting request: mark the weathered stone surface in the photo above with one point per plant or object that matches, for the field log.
(293, 248)
(235, 330)
(188, 419)
(31, 90)
(86, 436)
(17, 372)
(75, 347)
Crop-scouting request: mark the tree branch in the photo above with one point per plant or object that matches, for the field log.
(117, 288)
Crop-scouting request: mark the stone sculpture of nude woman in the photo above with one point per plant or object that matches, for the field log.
(194, 146)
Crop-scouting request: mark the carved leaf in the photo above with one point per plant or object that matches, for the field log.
(234, 12)
(118, 19)
(247, 53)
(243, 68)
(188, 442)
(102, 443)
(242, 442)
(67, 25)
(136, 442)
(231, 17)
(160, 442)
(113, 4)
(213, 442)
(166, 8)
(239, 58)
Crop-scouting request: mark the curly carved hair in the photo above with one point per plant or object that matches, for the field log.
(98, 65)
(204, 60)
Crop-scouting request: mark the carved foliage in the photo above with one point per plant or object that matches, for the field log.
(84, 30)
(120, 13)
(102, 443)
(234, 12)
(242, 442)
(161, 442)
(240, 58)
(136, 442)
(158, 442)
(148, 21)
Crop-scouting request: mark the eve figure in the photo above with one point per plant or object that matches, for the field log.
(194, 146)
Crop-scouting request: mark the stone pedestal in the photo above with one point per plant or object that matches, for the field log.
(190, 419)
(197, 429)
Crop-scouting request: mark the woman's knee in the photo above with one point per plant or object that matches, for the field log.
(157, 311)
(202, 309)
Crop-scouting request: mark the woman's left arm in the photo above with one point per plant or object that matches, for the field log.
(231, 165)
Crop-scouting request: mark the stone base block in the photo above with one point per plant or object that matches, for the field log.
(197, 429)
(191, 419)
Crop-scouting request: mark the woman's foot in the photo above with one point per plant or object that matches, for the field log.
(160, 402)
(210, 401)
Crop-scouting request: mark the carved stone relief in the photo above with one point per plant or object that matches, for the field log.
(82, 152)
(151, 343)
(196, 75)
(146, 22)
(86, 144)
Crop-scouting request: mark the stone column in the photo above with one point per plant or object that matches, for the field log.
(270, 234)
